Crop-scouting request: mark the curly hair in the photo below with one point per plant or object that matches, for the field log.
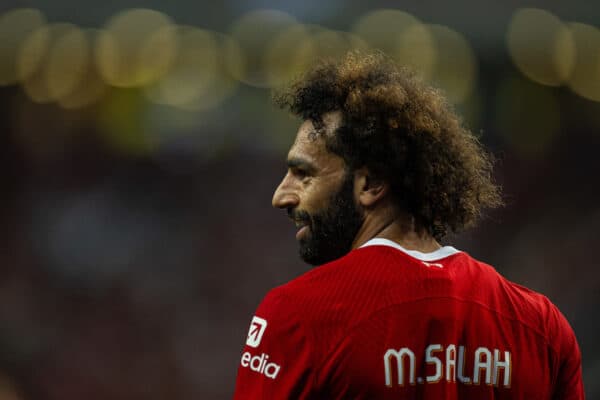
(404, 132)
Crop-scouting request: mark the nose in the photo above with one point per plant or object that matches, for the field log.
(285, 195)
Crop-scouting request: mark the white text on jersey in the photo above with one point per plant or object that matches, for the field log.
(260, 364)
(449, 365)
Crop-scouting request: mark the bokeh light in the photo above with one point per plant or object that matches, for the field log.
(91, 87)
(288, 54)
(138, 152)
(225, 84)
(193, 69)
(585, 78)
(255, 32)
(456, 64)
(199, 78)
(334, 44)
(401, 36)
(15, 26)
(136, 47)
(32, 52)
(527, 116)
(541, 46)
(67, 63)
(52, 61)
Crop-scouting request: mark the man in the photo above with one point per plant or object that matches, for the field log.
(381, 169)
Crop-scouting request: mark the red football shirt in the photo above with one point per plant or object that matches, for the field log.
(383, 322)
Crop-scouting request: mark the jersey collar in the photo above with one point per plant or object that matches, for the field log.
(440, 253)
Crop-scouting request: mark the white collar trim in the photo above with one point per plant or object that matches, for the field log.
(440, 253)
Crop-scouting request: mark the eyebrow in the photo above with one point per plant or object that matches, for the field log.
(296, 162)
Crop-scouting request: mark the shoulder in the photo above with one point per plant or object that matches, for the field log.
(323, 298)
(332, 298)
(366, 262)
(280, 312)
(561, 340)
(338, 280)
(528, 306)
(289, 336)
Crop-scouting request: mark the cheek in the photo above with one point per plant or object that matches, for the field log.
(316, 198)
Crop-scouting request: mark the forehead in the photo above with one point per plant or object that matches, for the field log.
(310, 143)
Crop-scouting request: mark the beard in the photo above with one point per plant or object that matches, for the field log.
(332, 230)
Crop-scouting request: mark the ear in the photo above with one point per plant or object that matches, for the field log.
(368, 189)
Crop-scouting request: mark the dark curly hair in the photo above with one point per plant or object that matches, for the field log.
(404, 132)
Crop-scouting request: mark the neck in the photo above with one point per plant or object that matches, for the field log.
(399, 229)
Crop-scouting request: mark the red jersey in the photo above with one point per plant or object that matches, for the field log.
(383, 322)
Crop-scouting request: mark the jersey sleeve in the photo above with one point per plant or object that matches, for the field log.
(569, 382)
(276, 362)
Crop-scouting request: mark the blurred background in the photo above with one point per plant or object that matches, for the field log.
(139, 151)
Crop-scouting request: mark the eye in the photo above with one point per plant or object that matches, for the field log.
(299, 173)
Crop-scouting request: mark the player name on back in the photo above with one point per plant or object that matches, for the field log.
(488, 366)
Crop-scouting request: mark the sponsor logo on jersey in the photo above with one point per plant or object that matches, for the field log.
(260, 364)
(256, 331)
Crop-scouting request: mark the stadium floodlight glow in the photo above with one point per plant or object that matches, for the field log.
(585, 77)
(136, 47)
(51, 61)
(199, 78)
(32, 52)
(299, 46)
(56, 65)
(288, 54)
(90, 87)
(401, 36)
(541, 46)
(67, 62)
(255, 32)
(193, 69)
(15, 26)
(332, 43)
(456, 64)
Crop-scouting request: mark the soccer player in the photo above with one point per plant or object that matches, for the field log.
(381, 169)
